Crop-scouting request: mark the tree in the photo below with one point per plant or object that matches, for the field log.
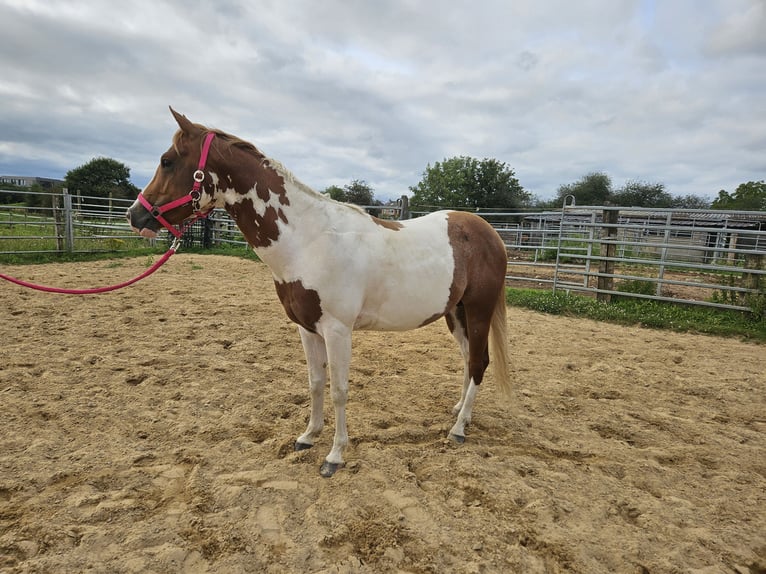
(594, 188)
(469, 183)
(357, 192)
(101, 177)
(12, 197)
(39, 199)
(690, 202)
(642, 194)
(335, 192)
(750, 196)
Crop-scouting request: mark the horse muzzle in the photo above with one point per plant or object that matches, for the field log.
(141, 221)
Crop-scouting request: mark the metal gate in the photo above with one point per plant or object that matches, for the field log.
(662, 254)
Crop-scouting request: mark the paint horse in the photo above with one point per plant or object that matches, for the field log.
(337, 269)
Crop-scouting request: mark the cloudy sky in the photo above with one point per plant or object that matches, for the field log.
(670, 91)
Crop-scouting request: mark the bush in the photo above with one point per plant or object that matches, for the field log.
(638, 286)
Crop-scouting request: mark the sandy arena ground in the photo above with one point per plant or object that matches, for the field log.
(150, 430)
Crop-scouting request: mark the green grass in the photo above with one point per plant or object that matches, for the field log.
(647, 313)
(114, 256)
(571, 251)
(35, 233)
(40, 258)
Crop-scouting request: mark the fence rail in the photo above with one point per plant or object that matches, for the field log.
(63, 223)
(700, 257)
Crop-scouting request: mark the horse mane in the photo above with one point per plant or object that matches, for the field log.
(231, 141)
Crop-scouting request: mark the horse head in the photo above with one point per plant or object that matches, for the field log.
(181, 187)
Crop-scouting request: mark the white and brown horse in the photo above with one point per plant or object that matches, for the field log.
(337, 269)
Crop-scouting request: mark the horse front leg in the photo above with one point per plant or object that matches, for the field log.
(338, 342)
(316, 359)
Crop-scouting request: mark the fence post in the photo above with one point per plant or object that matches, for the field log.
(68, 221)
(663, 254)
(589, 252)
(753, 261)
(57, 222)
(607, 249)
(404, 207)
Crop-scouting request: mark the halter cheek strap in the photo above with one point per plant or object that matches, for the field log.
(192, 197)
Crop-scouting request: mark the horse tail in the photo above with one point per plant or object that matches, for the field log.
(498, 344)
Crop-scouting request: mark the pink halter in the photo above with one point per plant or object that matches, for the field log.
(192, 197)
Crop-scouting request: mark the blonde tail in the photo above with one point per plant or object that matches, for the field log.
(498, 340)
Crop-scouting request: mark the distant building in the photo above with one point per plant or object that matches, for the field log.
(46, 183)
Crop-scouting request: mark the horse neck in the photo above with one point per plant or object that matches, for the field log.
(278, 215)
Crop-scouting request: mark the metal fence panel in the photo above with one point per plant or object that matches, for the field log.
(701, 257)
(62, 223)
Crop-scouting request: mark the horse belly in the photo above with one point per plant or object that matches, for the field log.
(408, 299)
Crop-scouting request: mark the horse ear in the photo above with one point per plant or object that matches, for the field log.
(183, 122)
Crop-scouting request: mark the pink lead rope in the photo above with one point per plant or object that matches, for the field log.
(160, 262)
(156, 210)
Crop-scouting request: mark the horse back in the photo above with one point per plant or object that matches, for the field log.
(428, 266)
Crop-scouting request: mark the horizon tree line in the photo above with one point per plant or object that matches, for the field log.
(458, 182)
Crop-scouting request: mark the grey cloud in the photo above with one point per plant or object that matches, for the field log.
(741, 31)
(376, 91)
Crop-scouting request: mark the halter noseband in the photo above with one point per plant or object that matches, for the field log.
(192, 197)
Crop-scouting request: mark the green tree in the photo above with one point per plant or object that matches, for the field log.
(335, 192)
(12, 197)
(690, 202)
(594, 188)
(469, 183)
(357, 192)
(642, 194)
(101, 177)
(750, 196)
(39, 199)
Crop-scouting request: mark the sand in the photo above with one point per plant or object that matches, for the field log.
(151, 430)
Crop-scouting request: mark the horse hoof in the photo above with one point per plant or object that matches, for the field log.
(299, 446)
(456, 438)
(329, 468)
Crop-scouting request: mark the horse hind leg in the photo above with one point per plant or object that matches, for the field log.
(456, 324)
(477, 333)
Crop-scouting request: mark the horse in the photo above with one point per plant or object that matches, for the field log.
(337, 269)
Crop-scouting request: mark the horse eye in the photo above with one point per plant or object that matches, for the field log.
(165, 162)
